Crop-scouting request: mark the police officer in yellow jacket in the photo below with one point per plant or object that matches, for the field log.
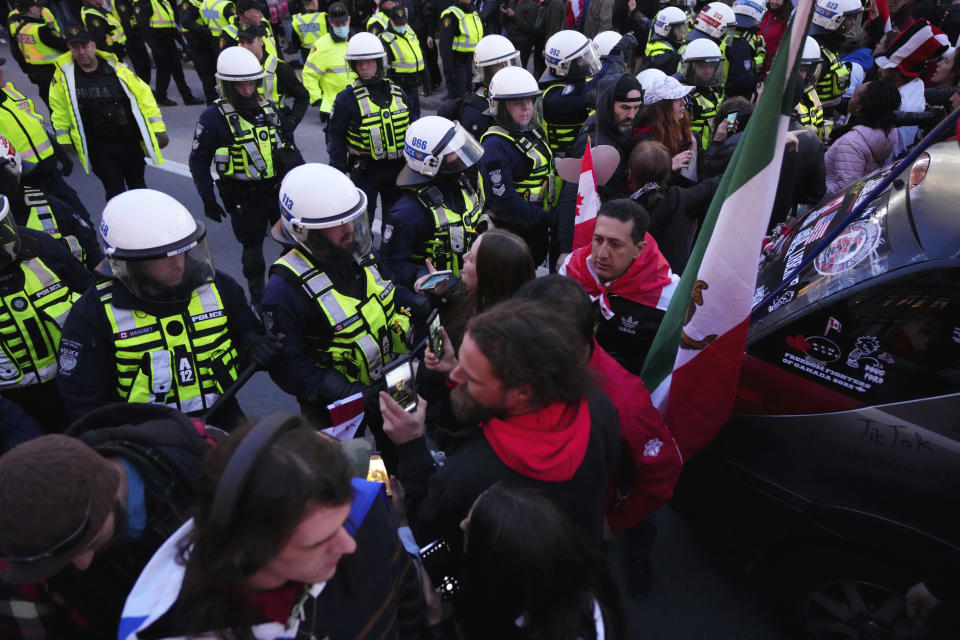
(39, 211)
(106, 113)
(203, 47)
(39, 44)
(157, 17)
(702, 66)
(39, 282)
(404, 56)
(104, 27)
(808, 112)
(440, 209)
(341, 317)
(250, 12)
(833, 22)
(368, 122)
(307, 27)
(325, 73)
(165, 328)
(516, 170)
(244, 138)
(380, 21)
(45, 162)
(280, 81)
(460, 31)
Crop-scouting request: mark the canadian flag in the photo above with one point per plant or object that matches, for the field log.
(346, 415)
(588, 202)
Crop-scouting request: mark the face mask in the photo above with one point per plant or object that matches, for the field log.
(341, 32)
(402, 29)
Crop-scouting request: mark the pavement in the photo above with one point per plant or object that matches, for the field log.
(696, 594)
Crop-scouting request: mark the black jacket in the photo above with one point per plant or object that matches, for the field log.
(167, 449)
(439, 499)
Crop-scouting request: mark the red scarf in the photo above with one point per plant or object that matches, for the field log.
(548, 444)
(643, 282)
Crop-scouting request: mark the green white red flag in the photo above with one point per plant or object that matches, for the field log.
(693, 365)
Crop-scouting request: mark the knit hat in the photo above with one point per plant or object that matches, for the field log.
(668, 88)
(914, 48)
(56, 493)
(625, 85)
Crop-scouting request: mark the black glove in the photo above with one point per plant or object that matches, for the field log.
(213, 210)
(265, 349)
(63, 157)
(162, 139)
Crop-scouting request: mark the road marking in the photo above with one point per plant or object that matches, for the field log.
(177, 168)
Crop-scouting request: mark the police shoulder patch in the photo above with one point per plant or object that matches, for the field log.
(387, 233)
(496, 183)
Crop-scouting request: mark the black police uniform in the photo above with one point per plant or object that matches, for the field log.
(91, 381)
(203, 48)
(113, 139)
(136, 42)
(372, 176)
(566, 106)
(163, 45)
(61, 219)
(473, 114)
(43, 401)
(252, 204)
(457, 65)
(407, 238)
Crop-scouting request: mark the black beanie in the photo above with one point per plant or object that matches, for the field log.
(625, 85)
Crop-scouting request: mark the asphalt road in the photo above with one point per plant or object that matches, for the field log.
(696, 595)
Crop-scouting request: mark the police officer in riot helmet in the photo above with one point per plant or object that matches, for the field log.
(329, 296)
(39, 282)
(368, 122)
(243, 136)
(516, 169)
(438, 214)
(166, 328)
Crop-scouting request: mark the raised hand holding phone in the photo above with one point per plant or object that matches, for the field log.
(445, 364)
(435, 282)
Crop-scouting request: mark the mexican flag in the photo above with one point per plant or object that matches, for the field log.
(694, 363)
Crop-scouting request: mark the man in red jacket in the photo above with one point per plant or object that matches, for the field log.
(650, 461)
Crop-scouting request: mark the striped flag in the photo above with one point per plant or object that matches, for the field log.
(694, 363)
(588, 202)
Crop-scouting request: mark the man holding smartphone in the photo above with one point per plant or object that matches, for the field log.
(522, 379)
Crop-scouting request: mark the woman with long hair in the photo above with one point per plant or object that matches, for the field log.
(529, 574)
(670, 126)
(866, 142)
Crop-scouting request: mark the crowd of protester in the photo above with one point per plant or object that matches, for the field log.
(139, 500)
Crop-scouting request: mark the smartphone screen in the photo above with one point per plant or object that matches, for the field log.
(436, 338)
(434, 280)
(401, 385)
(377, 472)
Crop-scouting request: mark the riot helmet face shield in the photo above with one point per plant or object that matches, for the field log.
(167, 276)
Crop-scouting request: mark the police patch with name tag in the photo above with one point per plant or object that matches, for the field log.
(496, 183)
(207, 316)
(346, 323)
(133, 333)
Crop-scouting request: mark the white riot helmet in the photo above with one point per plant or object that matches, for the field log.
(811, 62)
(605, 41)
(702, 64)
(749, 13)
(236, 64)
(515, 99)
(829, 15)
(670, 23)
(729, 17)
(493, 52)
(649, 77)
(570, 55)
(712, 20)
(11, 168)
(435, 145)
(366, 46)
(9, 236)
(154, 246)
(325, 213)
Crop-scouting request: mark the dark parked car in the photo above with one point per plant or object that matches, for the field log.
(838, 477)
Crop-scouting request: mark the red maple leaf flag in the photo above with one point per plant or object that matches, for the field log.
(588, 202)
